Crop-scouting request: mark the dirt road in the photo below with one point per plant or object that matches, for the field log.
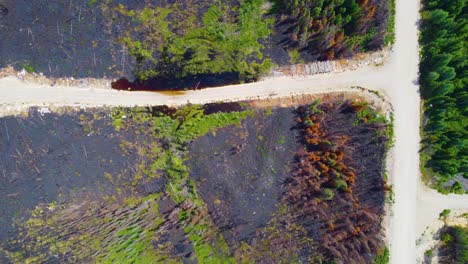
(18, 94)
(415, 206)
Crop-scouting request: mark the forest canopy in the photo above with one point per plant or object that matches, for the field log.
(443, 80)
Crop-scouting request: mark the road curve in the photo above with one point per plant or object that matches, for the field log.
(397, 79)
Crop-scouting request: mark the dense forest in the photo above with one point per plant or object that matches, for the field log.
(443, 80)
(329, 29)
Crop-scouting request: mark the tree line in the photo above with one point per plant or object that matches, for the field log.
(443, 79)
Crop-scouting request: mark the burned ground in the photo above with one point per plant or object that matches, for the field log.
(244, 176)
(367, 147)
(221, 183)
(73, 160)
(324, 190)
(86, 38)
(57, 38)
(46, 157)
(239, 170)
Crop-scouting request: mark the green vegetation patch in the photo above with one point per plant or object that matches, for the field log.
(226, 40)
(383, 257)
(367, 115)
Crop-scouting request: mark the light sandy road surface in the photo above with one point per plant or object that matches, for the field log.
(415, 206)
(14, 92)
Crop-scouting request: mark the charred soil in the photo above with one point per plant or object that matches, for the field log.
(217, 183)
(184, 44)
